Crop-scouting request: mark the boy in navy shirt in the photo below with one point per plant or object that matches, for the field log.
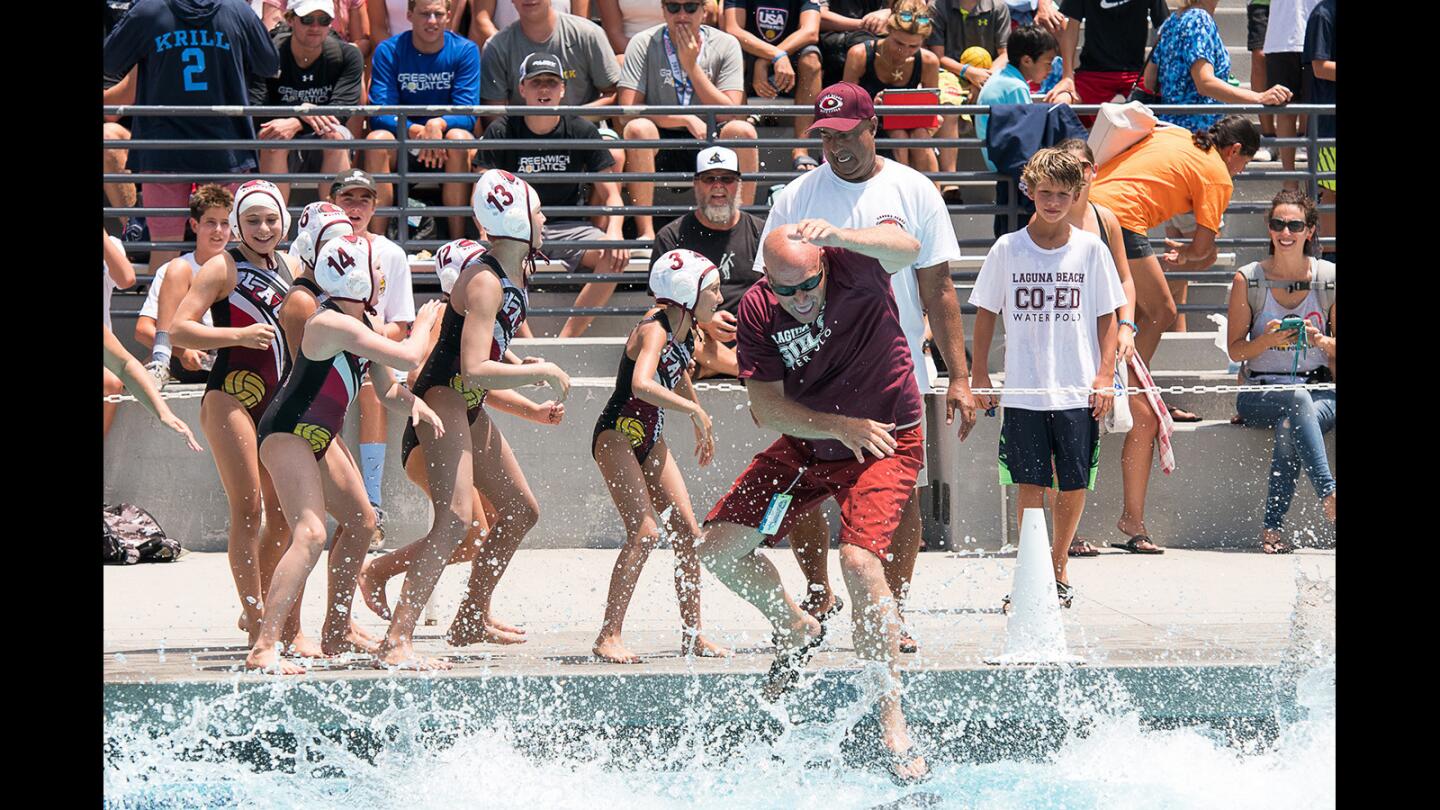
(425, 65)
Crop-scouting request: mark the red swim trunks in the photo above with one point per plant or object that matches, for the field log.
(871, 494)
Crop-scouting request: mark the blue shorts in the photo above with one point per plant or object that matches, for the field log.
(1050, 448)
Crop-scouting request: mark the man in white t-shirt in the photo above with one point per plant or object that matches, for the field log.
(856, 188)
(1057, 288)
(355, 191)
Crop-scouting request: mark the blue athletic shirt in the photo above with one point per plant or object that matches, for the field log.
(191, 53)
(400, 74)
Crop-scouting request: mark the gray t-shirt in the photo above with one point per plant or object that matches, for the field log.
(578, 43)
(647, 67)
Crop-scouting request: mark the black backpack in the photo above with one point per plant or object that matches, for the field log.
(133, 535)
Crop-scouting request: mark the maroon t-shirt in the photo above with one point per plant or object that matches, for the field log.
(853, 360)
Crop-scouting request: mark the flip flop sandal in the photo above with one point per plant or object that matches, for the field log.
(1133, 545)
(1065, 592)
(1277, 547)
(894, 762)
(1085, 549)
(836, 605)
(1176, 415)
(785, 669)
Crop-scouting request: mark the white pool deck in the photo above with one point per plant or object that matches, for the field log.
(176, 622)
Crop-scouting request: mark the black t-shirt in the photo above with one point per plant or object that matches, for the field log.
(528, 162)
(772, 20)
(333, 78)
(732, 251)
(1320, 45)
(1115, 31)
(856, 8)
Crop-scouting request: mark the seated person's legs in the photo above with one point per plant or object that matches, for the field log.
(165, 228)
(333, 161)
(642, 192)
(119, 195)
(578, 260)
(276, 161)
(807, 87)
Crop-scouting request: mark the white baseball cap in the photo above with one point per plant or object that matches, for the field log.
(303, 8)
(716, 157)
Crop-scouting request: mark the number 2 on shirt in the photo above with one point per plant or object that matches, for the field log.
(192, 70)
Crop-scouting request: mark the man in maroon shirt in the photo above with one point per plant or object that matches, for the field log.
(826, 363)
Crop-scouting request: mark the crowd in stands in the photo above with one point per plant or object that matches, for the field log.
(661, 52)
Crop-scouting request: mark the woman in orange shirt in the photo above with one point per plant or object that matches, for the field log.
(1171, 172)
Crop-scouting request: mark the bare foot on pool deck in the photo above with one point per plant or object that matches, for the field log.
(703, 647)
(373, 592)
(464, 633)
(495, 624)
(302, 646)
(403, 656)
(269, 662)
(610, 649)
(350, 641)
(357, 630)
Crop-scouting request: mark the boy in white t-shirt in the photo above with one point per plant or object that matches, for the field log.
(1058, 289)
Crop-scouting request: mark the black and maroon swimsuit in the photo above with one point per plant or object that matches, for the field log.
(252, 376)
(313, 401)
(442, 367)
(635, 419)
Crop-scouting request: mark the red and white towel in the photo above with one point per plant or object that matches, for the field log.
(1167, 425)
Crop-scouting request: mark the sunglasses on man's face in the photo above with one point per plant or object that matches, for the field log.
(908, 17)
(318, 18)
(674, 8)
(722, 179)
(1294, 225)
(805, 286)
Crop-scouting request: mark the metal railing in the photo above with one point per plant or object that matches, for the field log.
(405, 178)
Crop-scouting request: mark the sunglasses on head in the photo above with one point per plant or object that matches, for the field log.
(318, 18)
(908, 17)
(1294, 225)
(674, 8)
(805, 286)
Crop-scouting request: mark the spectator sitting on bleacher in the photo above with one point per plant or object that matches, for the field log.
(782, 57)
(963, 24)
(623, 20)
(350, 22)
(425, 65)
(1031, 49)
(718, 230)
(680, 63)
(119, 274)
(1190, 65)
(490, 17)
(1114, 54)
(316, 67)
(1275, 353)
(189, 54)
(845, 24)
(210, 222)
(1286, 66)
(898, 60)
(1320, 55)
(591, 71)
(119, 195)
(542, 84)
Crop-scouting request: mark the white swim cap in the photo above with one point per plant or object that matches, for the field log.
(319, 223)
(344, 269)
(263, 193)
(502, 204)
(452, 258)
(678, 277)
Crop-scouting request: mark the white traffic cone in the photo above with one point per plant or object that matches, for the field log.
(1034, 633)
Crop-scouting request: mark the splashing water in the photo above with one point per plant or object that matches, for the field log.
(1032, 738)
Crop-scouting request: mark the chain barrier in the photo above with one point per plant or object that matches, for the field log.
(702, 385)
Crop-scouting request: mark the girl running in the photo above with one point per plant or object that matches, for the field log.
(301, 422)
(471, 357)
(242, 290)
(629, 446)
(378, 570)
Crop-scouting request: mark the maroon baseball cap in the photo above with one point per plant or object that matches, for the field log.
(841, 106)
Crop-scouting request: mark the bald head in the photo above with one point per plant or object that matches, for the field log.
(788, 258)
(791, 261)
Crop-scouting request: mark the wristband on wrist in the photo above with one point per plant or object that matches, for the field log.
(781, 55)
(963, 68)
(1130, 324)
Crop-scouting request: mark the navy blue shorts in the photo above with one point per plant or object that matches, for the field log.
(1050, 448)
